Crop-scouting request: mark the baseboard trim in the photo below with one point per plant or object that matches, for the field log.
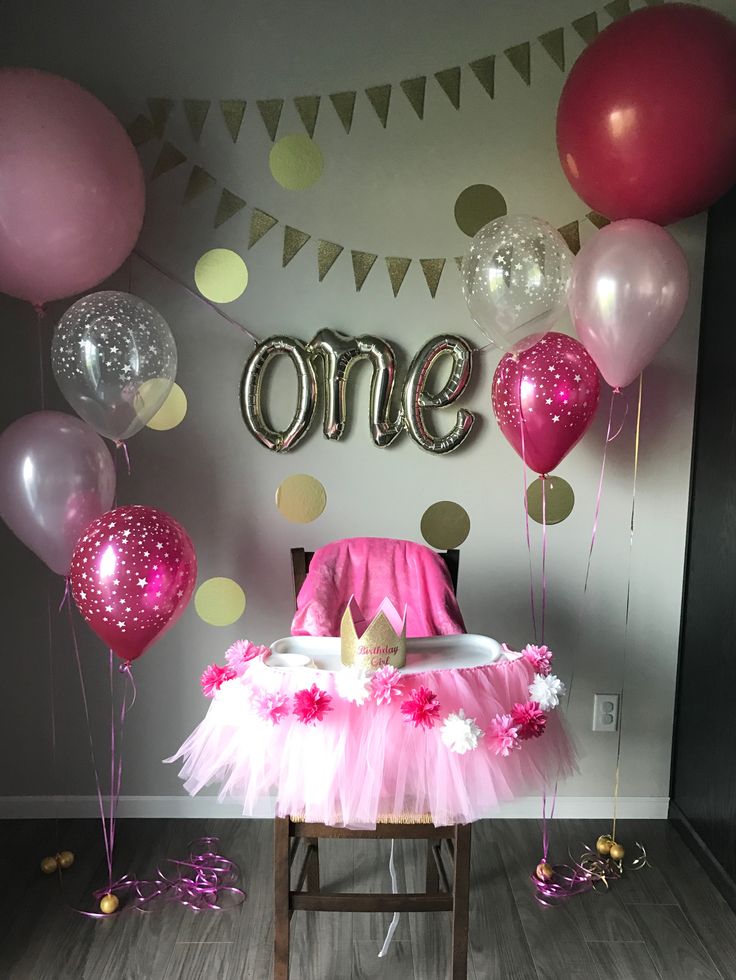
(529, 807)
(708, 861)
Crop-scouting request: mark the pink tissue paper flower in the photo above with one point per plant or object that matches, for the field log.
(421, 708)
(241, 652)
(539, 657)
(213, 677)
(529, 719)
(504, 735)
(271, 707)
(311, 704)
(386, 684)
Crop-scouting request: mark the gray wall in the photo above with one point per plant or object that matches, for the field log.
(389, 191)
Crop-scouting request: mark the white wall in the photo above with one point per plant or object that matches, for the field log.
(388, 191)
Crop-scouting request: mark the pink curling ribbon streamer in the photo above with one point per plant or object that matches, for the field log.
(65, 597)
(526, 515)
(122, 446)
(544, 557)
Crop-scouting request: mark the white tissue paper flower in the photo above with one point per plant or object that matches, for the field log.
(546, 691)
(353, 684)
(460, 734)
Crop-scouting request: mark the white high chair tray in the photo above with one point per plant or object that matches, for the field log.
(422, 653)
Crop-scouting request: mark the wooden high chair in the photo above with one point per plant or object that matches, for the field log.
(443, 892)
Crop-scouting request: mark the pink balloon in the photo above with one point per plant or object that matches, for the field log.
(71, 188)
(552, 390)
(628, 291)
(132, 575)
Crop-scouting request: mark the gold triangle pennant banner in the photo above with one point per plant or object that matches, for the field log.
(196, 111)
(379, 97)
(270, 110)
(617, 9)
(397, 270)
(414, 89)
(233, 111)
(294, 241)
(227, 207)
(308, 106)
(484, 70)
(160, 110)
(168, 158)
(362, 265)
(344, 104)
(571, 234)
(327, 254)
(520, 58)
(140, 130)
(260, 224)
(599, 220)
(553, 43)
(432, 269)
(587, 27)
(199, 182)
(449, 81)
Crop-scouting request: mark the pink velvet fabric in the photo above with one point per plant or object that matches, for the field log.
(371, 569)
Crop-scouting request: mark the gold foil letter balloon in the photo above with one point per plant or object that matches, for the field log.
(417, 400)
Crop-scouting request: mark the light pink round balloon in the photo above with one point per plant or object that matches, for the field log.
(71, 188)
(628, 291)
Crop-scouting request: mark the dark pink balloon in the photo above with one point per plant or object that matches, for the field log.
(71, 188)
(552, 390)
(132, 575)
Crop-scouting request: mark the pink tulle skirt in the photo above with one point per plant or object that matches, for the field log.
(363, 763)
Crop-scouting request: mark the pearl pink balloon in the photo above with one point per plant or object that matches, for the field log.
(629, 289)
(132, 575)
(71, 188)
(552, 390)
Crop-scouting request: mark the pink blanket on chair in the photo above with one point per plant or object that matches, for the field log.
(371, 569)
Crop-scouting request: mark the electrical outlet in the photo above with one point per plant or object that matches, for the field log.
(605, 712)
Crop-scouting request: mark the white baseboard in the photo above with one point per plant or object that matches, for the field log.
(530, 807)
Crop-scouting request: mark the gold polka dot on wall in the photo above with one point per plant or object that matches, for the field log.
(445, 525)
(559, 500)
(219, 601)
(221, 275)
(172, 411)
(296, 162)
(476, 206)
(301, 499)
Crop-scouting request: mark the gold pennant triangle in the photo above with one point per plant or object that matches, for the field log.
(599, 220)
(362, 265)
(484, 70)
(653, 3)
(293, 241)
(449, 80)
(327, 254)
(308, 106)
(228, 206)
(140, 130)
(587, 27)
(168, 158)
(270, 110)
(553, 43)
(199, 181)
(160, 111)
(344, 103)
(432, 269)
(414, 89)
(571, 234)
(379, 97)
(520, 59)
(397, 270)
(617, 9)
(260, 224)
(196, 112)
(233, 111)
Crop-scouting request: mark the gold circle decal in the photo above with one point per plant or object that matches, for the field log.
(296, 162)
(219, 601)
(476, 206)
(559, 499)
(221, 275)
(301, 498)
(172, 411)
(445, 525)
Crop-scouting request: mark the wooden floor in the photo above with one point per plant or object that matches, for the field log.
(664, 923)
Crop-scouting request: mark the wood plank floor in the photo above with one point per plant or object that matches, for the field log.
(664, 923)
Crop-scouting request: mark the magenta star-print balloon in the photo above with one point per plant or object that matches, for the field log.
(552, 391)
(132, 575)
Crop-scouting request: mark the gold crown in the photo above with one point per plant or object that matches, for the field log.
(378, 644)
